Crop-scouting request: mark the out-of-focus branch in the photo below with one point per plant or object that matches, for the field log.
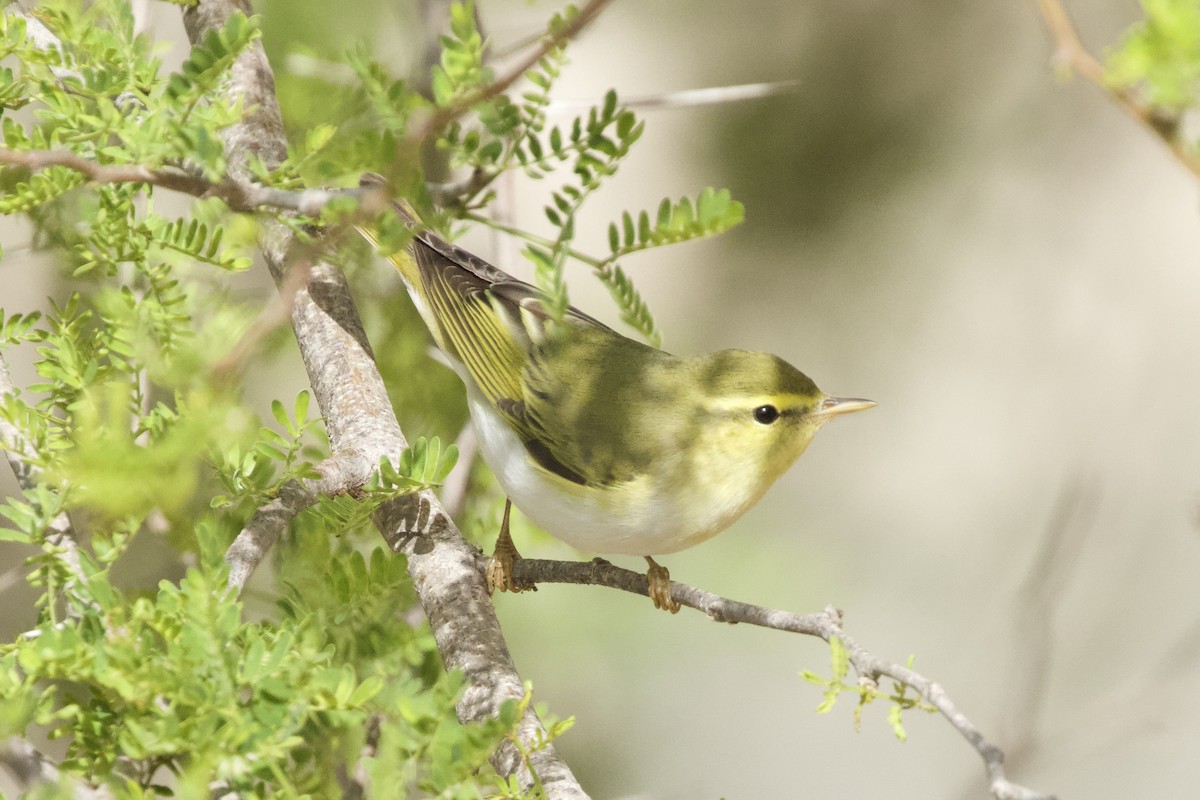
(1072, 55)
(447, 114)
(687, 98)
(277, 313)
(1039, 596)
(826, 625)
(454, 490)
(30, 770)
(363, 429)
(19, 450)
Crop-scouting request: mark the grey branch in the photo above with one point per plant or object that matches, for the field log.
(30, 769)
(362, 429)
(687, 98)
(826, 625)
(239, 195)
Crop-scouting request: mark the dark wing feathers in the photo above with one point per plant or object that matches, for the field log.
(492, 323)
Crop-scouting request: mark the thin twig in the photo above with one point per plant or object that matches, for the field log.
(687, 98)
(454, 490)
(1038, 598)
(238, 195)
(277, 313)
(826, 625)
(1074, 56)
(447, 114)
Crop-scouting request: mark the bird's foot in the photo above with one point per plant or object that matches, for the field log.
(659, 579)
(500, 572)
(500, 566)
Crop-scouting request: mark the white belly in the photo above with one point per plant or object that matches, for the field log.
(633, 519)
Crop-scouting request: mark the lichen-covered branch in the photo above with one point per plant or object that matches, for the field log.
(362, 429)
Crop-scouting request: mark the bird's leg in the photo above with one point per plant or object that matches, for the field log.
(500, 565)
(659, 579)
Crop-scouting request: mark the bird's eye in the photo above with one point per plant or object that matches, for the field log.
(765, 415)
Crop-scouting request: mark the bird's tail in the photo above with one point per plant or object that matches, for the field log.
(402, 259)
(405, 260)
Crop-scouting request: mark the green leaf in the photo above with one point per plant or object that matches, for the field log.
(279, 414)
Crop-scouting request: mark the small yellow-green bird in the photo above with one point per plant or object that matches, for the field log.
(611, 445)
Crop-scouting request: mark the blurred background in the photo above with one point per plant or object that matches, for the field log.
(935, 220)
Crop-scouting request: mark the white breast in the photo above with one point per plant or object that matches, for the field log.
(633, 519)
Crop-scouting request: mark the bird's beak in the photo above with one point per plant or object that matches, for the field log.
(832, 406)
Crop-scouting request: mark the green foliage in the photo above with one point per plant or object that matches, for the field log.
(175, 689)
(714, 212)
(134, 430)
(1161, 55)
(131, 431)
(422, 465)
(517, 135)
(461, 69)
(899, 700)
(192, 238)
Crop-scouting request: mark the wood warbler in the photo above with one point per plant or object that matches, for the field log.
(611, 445)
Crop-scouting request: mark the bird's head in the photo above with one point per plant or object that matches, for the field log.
(759, 412)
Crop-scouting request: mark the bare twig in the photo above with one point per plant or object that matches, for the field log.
(278, 312)
(1037, 599)
(1072, 55)
(826, 625)
(688, 98)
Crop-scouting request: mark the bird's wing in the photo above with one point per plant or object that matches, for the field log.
(599, 406)
(492, 324)
(548, 380)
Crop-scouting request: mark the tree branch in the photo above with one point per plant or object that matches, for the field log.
(244, 196)
(361, 425)
(826, 625)
(1038, 599)
(687, 98)
(30, 769)
(1072, 55)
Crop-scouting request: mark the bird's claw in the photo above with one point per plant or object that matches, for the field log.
(659, 579)
(500, 573)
